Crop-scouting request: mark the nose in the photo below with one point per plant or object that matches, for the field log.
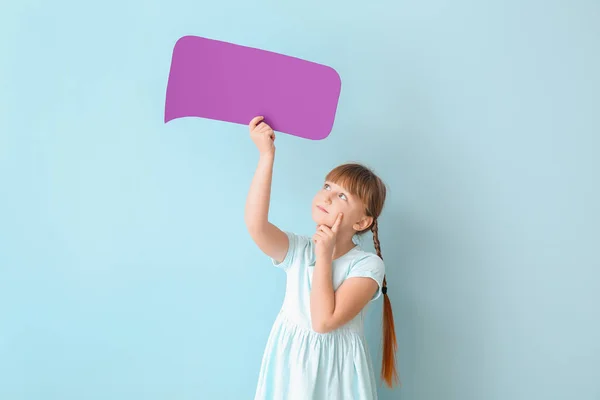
(327, 199)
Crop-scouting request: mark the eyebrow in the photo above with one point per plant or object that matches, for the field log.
(343, 190)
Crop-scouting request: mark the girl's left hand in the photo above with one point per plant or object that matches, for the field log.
(325, 238)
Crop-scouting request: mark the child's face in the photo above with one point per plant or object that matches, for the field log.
(333, 199)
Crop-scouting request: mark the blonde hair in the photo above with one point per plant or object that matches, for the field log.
(362, 182)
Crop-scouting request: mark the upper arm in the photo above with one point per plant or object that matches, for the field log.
(271, 240)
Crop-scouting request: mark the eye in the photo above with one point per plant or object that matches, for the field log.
(343, 196)
(326, 186)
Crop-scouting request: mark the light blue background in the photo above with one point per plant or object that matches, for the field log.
(125, 268)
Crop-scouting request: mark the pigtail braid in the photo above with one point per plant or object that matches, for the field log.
(390, 345)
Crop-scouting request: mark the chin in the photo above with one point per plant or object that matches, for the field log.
(318, 217)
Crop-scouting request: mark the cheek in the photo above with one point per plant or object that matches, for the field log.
(350, 218)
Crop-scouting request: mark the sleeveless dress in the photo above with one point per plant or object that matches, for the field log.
(301, 364)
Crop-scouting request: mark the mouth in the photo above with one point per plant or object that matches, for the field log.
(322, 209)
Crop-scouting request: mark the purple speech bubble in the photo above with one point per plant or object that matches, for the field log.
(228, 82)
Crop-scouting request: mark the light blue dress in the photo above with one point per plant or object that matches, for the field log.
(301, 364)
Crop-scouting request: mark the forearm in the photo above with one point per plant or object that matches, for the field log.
(259, 196)
(322, 295)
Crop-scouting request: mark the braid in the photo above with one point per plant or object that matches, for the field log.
(390, 345)
(376, 238)
(374, 229)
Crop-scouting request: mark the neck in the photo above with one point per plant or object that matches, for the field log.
(342, 246)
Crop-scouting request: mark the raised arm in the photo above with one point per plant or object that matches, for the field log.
(268, 237)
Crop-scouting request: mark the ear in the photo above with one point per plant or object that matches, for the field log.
(364, 223)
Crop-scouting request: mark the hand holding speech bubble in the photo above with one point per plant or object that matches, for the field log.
(228, 82)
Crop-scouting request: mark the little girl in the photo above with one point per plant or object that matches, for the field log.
(317, 348)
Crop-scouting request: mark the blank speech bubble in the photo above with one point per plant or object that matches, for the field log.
(228, 82)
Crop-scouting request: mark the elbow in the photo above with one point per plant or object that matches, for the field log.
(251, 216)
(250, 227)
(254, 226)
(249, 220)
(320, 326)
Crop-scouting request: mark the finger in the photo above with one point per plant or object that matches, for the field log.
(320, 236)
(337, 223)
(255, 121)
(326, 229)
(265, 128)
(268, 133)
(325, 233)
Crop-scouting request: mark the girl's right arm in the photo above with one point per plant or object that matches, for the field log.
(268, 237)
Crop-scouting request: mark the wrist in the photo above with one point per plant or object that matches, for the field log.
(267, 155)
(324, 257)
